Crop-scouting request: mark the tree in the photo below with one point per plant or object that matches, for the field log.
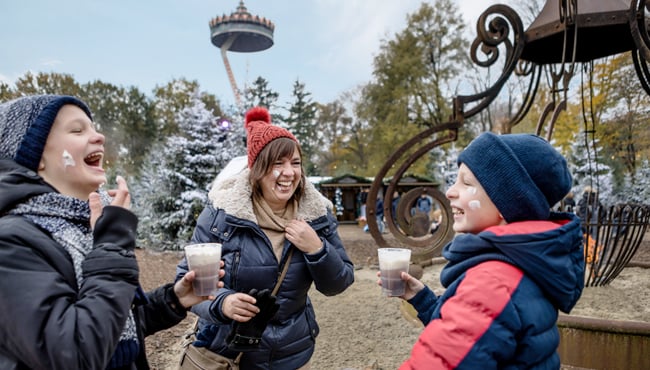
(173, 97)
(587, 165)
(301, 122)
(636, 189)
(48, 83)
(126, 117)
(332, 121)
(260, 95)
(6, 92)
(625, 133)
(172, 191)
(415, 76)
(350, 146)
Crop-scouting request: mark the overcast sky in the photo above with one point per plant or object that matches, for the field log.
(327, 44)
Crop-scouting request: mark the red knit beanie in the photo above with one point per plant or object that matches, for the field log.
(260, 132)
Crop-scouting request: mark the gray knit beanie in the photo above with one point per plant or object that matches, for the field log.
(523, 174)
(25, 124)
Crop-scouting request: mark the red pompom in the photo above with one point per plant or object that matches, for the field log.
(258, 114)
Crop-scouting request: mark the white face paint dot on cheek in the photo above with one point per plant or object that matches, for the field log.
(472, 190)
(474, 204)
(276, 173)
(67, 159)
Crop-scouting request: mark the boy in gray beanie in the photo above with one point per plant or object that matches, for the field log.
(512, 266)
(25, 124)
(70, 292)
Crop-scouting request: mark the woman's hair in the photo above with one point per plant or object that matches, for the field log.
(277, 149)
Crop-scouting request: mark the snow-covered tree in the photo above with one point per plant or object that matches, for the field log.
(172, 191)
(447, 167)
(588, 168)
(637, 189)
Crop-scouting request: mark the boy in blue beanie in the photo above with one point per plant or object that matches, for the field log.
(511, 267)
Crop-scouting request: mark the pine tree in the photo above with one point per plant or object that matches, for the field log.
(637, 189)
(586, 164)
(301, 121)
(173, 190)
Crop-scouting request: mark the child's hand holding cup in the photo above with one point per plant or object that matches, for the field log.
(392, 262)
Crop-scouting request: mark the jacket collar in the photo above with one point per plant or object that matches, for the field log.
(18, 183)
(234, 195)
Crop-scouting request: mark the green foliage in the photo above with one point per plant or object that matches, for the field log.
(301, 122)
(259, 94)
(334, 124)
(48, 83)
(172, 97)
(412, 90)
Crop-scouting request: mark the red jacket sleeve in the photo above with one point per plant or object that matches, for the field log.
(465, 317)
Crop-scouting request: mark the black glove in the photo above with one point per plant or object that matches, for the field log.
(247, 336)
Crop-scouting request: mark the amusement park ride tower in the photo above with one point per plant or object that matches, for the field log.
(241, 32)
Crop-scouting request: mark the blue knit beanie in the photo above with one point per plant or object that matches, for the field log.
(25, 124)
(523, 174)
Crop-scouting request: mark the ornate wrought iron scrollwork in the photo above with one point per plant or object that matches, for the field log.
(612, 237)
(407, 231)
(494, 29)
(639, 26)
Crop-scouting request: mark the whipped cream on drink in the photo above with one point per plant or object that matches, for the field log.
(203, 254)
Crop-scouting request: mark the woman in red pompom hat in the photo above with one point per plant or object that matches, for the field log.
(265, 216)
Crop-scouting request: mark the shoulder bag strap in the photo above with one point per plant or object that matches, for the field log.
(284, 272)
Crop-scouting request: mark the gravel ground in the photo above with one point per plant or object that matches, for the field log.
(360, 329)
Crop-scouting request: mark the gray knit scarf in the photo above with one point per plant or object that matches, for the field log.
(67, 219)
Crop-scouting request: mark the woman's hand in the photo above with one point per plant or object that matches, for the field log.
(185, 293)
(300, 234)
(239, 307)
(121, 198)
(413, 285)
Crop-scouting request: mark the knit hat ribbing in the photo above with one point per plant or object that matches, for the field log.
(523, 174)
(25, 124)
(260, 132)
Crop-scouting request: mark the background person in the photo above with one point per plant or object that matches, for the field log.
(569, 203)
(589, 210)
(511, 267)
(259, 215)
(70, 292)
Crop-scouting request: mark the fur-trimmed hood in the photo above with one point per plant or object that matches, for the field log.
(234, 195)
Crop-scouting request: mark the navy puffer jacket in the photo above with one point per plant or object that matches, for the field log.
(288, 341)
(504, 287)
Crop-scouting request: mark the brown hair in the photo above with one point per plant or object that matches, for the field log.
(279, 148)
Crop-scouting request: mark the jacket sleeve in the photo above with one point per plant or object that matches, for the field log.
(162, 311)
(46, 321)
(424, 303)
(207, 310)
(477, 326)
(331, 267)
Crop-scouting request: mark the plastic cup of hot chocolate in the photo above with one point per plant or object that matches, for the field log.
(204, 260)
(392, 262)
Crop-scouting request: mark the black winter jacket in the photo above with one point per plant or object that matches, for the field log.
(46, 322)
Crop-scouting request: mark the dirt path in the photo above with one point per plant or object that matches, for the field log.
(359, 326)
